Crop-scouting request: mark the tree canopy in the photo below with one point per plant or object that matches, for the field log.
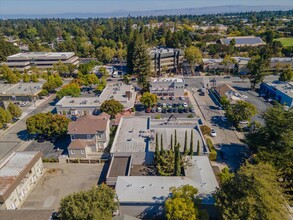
(14, 110)
(149, 99)
(71, 89)
(112, 107)
(97, 203)
(193, 55)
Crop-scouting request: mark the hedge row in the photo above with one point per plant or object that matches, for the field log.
(213, 152)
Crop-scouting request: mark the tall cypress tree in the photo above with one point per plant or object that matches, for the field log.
(185, 144)
(191, 144)
(162, 146)
(157, 151)
(198, 148)
(177, 166)
(171, 142)
(175, 142)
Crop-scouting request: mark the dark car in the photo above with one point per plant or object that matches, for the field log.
(175, 110)
(186, 110)
(174, 105)
(170, 110)
(202, 94)
(153, 110)
(164, 110)
(159, 105)
(227, 77)
(41, 138)
(180, 110)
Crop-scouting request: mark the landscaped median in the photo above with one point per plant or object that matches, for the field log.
(213, 152)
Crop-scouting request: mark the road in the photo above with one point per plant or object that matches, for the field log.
(16, 136)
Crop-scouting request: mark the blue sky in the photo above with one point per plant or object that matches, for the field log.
(100, 6)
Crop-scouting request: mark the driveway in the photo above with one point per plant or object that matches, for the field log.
(61, 180)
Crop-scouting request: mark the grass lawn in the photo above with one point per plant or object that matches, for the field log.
(286, 42)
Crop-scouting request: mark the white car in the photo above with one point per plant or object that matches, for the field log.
(185, 105)
(23, 104)
(182, 98)
(159, 109)
(213, 133)
(164, 105)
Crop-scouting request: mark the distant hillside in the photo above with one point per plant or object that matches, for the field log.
(193, 11)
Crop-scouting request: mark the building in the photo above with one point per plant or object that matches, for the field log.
(78, 106)
(225, 90)
(282, 92)
(145, 196)
(167, 86)
(165, 60)
(278, 63)
(18, 175)
(20, 91)
(89, 136)
(243, 41)
(42, 60)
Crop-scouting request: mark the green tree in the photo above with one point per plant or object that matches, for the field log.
(253, 193)
(257, 67)
(225, 102)
(97, 203)
(157, 150)
(286, 75)
(241, 111)
(53, 82)
(162, 152)
(148, 99)
(181, 205)
(8, 74)
(191, 144)
(5, 117)
(185, 144)
(193, 56)
(61, 68)
(71, 89)
(112, 107)
(165, 165)
(92, 79)
(227, 62)
(26, 77)
(175, 139)
(14, 110)
(177, 163)
(198, 148)
(101, 85)
(105, 54)
(171, 142)
(225, 175)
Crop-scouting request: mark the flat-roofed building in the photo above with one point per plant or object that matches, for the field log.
(165, 60)
(20, 91)
(243, 41)
(282, 92)
(78, 106)
(167, 86)
(18, 175)
(42, 60)
(145, 196)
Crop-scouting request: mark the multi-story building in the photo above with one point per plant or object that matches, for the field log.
(89, 136)
(42, 60)
(78, 106)
(19, 173)
(165, 60)
(167, 86)
(279, 91)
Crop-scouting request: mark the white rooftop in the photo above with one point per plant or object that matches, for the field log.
(165, 79)
(156, 189)
(68, 101)
(284, 87)
(21, 88)
(131, 135)
(31, 55)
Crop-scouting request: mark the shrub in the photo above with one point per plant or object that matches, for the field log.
(205, 130)
(50, 160)
(213, 152)
(158, 117)
(190, 116)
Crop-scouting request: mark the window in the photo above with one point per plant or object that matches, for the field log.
(82, 151)
(99, 136)
(88, 136)
(72, 137)
(72, 152)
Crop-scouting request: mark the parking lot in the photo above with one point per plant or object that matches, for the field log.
(61, 180)
(166, 107)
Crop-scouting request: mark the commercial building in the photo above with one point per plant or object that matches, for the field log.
(78, 106)
(166, 60)
(20, 91)
(282, 92)
(225, 90)
(167, 86)
(42, 60)
(89, 136)
(243, 41)
(18, 175)
(145, 196)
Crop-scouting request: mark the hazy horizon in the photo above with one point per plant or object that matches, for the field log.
(27, 7)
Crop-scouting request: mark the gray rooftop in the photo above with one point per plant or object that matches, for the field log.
(156, 189)
(68, 101)
(25, 89)
(244, 40)
(131, 135)
(41, 55)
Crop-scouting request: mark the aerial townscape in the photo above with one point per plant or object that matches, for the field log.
(156, 115)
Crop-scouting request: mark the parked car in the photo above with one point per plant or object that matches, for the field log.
(213, 133)
(169, 105)
(185, 105)
(185, 110)
(23, 104)
(175, 110)
(164, 105)
(148, 110)
(202, 93)
(227, 77)
(159, 105)
(180, 110)
(191, 110)
(159, 109)
(170, 110)
(174, 105)
(172, 98)
(182, 98)
(153, 110)
(163, 97)
(164, 110)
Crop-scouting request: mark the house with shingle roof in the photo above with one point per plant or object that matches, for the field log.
(89, 136)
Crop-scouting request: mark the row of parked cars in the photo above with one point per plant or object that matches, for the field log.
(171, 108)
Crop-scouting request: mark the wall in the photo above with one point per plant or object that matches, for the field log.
(142, 210)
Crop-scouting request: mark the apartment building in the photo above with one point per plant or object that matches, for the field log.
(42, 60)
(167, 86)
(19, 173)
